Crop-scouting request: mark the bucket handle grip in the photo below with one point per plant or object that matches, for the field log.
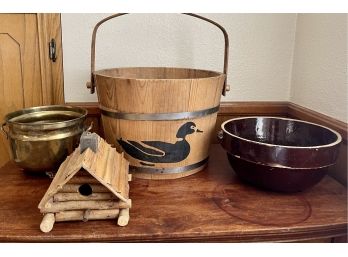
(91, 84)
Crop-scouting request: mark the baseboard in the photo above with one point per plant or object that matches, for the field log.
(338, 171)
(302, 113)
(229, 110)
(253, 108)
(237, 109)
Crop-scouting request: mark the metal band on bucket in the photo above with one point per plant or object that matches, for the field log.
(157, 116)
(148, 170)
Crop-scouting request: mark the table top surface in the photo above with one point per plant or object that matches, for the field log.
(212, 205)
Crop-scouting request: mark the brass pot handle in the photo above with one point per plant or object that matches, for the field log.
(3, 129)
(88, 128)
(91, 84)
(220, 135)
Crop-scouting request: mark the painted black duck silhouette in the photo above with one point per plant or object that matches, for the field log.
(161, 152)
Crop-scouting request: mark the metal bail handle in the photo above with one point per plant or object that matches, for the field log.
(91, 84)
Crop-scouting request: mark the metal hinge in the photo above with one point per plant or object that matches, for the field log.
(52, 50)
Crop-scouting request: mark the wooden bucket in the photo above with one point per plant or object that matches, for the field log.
(162, 118)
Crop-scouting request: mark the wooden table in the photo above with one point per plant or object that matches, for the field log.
(212, 205)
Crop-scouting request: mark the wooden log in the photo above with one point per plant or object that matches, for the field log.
(47, 222)
(87, 215)
(73, 188)
(81, 205)
(123, 218)
(63, 197)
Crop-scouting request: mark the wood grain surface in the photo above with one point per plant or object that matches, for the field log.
(158, 90)
(27, 76)
(212, 205)
(229, 110)
(49, 27)
(20, 84)
(105, 165)
(152, 91)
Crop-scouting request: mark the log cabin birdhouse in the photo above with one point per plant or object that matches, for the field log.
(91, 184)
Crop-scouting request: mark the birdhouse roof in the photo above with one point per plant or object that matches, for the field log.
(106, 165)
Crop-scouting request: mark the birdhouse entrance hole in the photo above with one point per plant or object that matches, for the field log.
(85, 190)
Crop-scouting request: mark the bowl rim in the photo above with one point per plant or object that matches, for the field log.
(45, 125)
(103, 73)
(338, 140)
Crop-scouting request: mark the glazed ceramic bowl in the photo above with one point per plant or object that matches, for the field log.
(279, 154)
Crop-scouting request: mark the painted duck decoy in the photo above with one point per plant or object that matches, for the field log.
(161, 152)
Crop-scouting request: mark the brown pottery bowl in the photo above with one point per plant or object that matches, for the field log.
(279, 154)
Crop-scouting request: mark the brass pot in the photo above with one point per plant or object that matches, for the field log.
(42, 137)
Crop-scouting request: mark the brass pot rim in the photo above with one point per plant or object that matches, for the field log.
(45, 125)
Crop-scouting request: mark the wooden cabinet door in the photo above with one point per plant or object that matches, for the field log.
(27, 75)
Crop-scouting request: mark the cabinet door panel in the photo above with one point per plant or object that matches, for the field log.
(25, 69)
(11, 83)
(31, 62)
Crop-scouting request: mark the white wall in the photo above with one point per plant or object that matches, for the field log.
(261, 49)
(273, 57)
(319, 78)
